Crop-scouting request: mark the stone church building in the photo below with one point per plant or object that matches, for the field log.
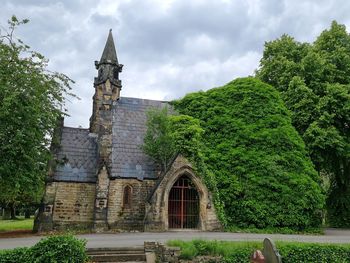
(100, 178)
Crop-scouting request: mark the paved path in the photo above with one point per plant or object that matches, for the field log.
(137, 239)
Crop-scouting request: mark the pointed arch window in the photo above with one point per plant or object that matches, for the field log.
(127, 196)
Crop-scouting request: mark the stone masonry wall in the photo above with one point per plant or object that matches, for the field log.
(73, 204)
(128, 218)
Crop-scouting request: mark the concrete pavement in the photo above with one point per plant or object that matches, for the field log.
(137, 239)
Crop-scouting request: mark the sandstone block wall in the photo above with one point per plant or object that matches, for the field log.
(128, 218)
(73, 204)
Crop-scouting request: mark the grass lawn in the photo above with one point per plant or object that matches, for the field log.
(18, 224)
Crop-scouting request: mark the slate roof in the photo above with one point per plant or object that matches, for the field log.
(77, 156)
(129, 128)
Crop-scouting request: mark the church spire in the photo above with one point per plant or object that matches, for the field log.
(108, 67)
(107, 88)
(109, 54)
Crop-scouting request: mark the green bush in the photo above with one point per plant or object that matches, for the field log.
(17, 255)
(240, 252)
(264, 175)
(54, 249)
(60, 249)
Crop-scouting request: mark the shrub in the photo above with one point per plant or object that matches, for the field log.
(295, 253)
(60, 249)
(16, 255)
(54, 249)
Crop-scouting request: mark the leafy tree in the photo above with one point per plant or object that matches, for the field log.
(168, 135)
(263, 173)
(158, 143)
(31, 101)
(314, 80)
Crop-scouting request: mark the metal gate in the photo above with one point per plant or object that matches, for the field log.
(183, 206)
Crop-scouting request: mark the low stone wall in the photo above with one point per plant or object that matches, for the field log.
(157, 252)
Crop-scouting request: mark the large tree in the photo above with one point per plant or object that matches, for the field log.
(314, 80)
(31, 100)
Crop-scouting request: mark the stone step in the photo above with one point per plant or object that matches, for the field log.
(117, 254)
(118, 258)
(115, 251)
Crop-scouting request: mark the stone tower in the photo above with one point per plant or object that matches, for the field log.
(107, 91)
(107, 83)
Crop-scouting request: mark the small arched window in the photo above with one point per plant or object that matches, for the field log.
(127, 196)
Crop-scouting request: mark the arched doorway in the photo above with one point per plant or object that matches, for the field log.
(183, 204)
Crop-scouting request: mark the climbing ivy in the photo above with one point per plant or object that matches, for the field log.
(168, 135)
(259, 162)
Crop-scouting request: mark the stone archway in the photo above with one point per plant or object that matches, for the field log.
(183, 205)
(158, 206)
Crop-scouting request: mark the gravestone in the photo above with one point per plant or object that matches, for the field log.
(269, 254)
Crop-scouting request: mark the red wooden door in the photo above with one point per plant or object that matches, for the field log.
(183, 206)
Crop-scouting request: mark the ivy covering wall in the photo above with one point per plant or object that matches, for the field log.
(263, 174)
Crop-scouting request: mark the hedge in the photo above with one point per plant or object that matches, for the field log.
(54, 249)
(240, 252)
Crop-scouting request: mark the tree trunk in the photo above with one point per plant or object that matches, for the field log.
(6, 214)
(13, 211)
(27, 213)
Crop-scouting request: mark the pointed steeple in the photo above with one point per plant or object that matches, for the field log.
(109, 54)
(107, 90)
(108, 67)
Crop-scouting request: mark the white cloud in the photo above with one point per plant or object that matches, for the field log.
(168, 47)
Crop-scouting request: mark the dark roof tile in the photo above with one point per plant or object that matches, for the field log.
(77, 156)
(129, 128)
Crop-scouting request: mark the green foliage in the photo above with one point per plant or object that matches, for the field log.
(54, 249)
(31, 100)
(168, 135)
(186, 134)
(158, 143)
(294, 252)
(264, 177)
(16, 255)
(314, 80)
(199, 247)
(60, 249)
(240, 252)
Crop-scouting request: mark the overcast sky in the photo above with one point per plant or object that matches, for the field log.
(168, 47)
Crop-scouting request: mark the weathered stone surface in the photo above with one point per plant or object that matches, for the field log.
(128, 218)
(270, 252)
(162, 253)
(73, 205)
(157, 204)
(101, 202)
